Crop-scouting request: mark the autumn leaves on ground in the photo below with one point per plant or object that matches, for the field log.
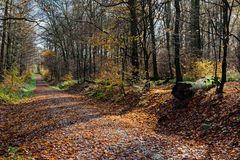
(56, 124)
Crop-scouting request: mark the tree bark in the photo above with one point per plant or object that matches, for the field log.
(2, 55)
(168, 21)
(134, 34)
(196, 41)
(177, 42)
(153, 40)
(226, 23)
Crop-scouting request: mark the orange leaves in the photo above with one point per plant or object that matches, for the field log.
(48, 53)
(58, 125)
(109, 42)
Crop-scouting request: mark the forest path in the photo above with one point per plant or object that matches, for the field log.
(58, 125)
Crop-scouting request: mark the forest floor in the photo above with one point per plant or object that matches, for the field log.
(56, 124)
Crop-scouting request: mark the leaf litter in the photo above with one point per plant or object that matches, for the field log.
(59, 125)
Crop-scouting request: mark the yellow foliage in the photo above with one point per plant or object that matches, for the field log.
(48, 53)
(110, 42)
(67, 77)
(111, 72)
(12, 80)
(197, 69)
(46, 74)
(27, 75)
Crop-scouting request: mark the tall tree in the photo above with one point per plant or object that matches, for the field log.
(238, 51)
(3, 42)
(168, 35)
(134, 34)
(177, 41)
(196, 42)
(227, 11)
(153, 39)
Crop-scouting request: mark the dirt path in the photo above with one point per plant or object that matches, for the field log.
(58, 125)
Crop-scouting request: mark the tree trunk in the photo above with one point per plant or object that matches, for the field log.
(134, 34)
(8, 47)
(238, 52)
(2, 55)
(195, 29)
(153, 40)
(85, 63)
(177, 42)
(226, 23)
(90, 60)
(168, 21)
(144, 41)
(95, 51)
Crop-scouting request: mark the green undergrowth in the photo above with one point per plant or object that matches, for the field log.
(209, 81)
(101, 91)
(16, 153)
(104, 90)
(162, 82)
(233, 76)
(10, 95)
(64, 85)
(29, 87)
(112, 91)
(202, 83)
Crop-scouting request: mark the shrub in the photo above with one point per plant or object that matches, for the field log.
(197, 69)
(110, 73)
(103, 81)
(14, 86)
(100, 92)
(100, 95)
(67, 84)
(4, 98)
(27, 75)
(12, 82)
(46, 74)
(103, 90)
(67, 77)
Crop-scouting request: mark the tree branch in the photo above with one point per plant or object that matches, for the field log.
(17, 18)
(110, 5)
